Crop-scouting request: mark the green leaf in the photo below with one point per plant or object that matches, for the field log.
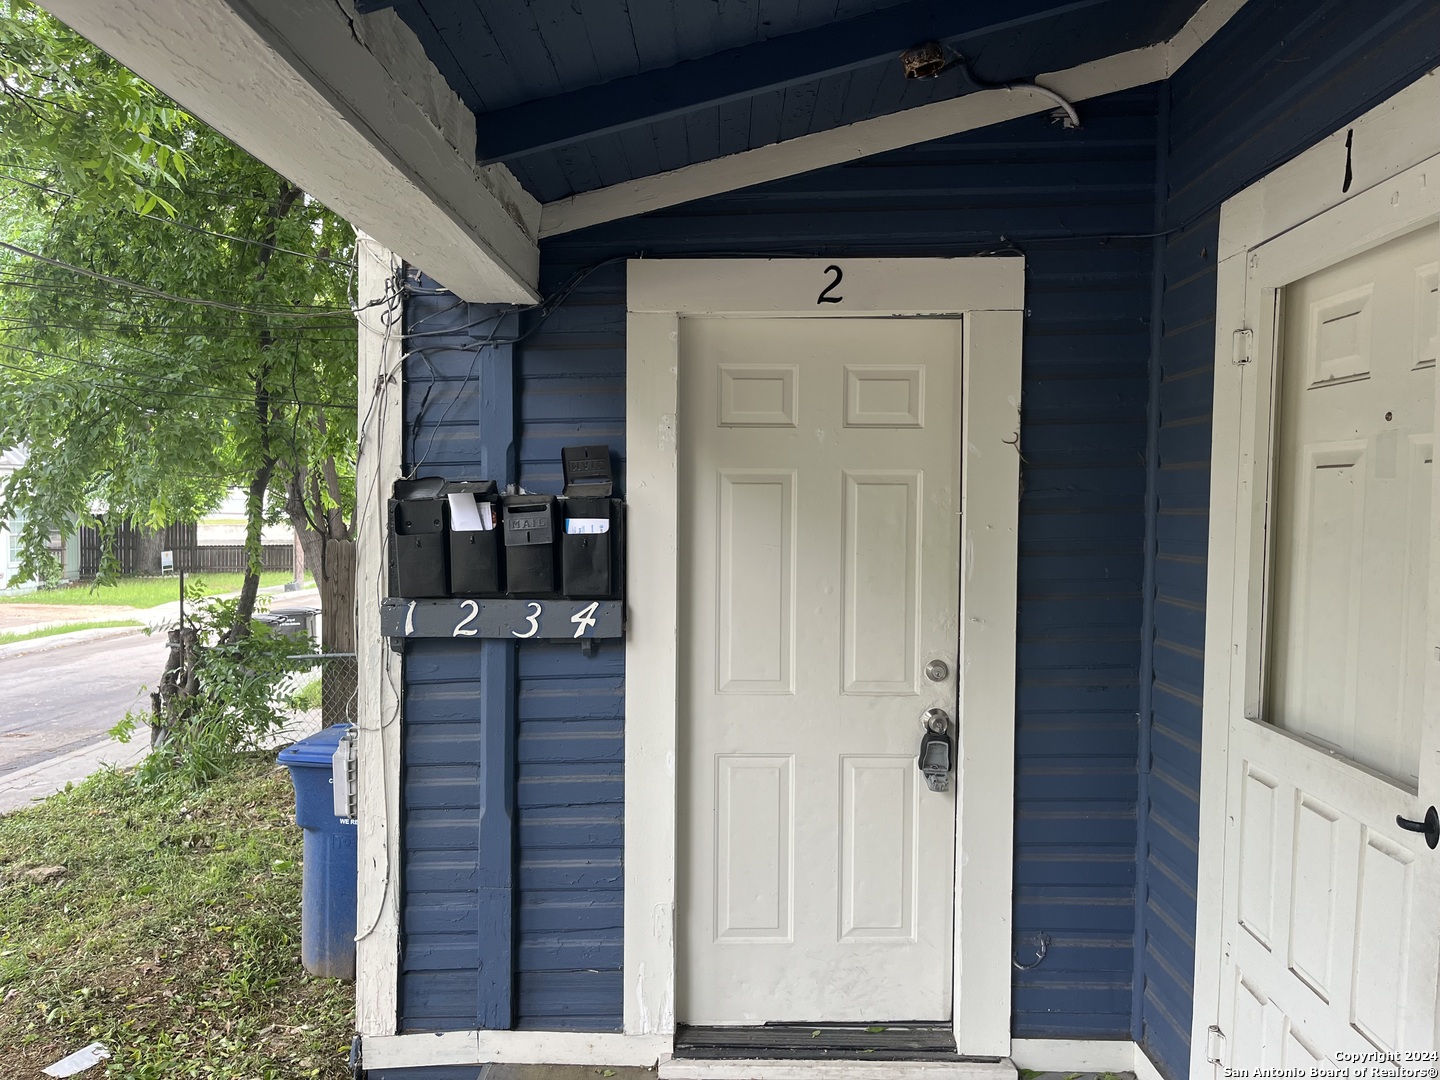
(876, 1029)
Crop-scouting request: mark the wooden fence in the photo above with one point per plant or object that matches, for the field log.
(134, 549)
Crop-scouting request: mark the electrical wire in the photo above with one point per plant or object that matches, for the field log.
(177, 223)
(959, 63)
(161, 294)
(122, 388)
(116, 369)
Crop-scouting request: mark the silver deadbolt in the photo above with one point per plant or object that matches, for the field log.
(937, 671)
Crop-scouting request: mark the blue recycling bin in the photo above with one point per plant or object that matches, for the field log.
(327, 907)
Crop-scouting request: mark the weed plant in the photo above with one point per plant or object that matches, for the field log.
(237, 707)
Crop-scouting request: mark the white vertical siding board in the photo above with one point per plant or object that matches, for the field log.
(381, 425)
(650, 673)
(989, 565)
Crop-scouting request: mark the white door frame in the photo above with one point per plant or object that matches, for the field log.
(1295, 221)
(989, 294)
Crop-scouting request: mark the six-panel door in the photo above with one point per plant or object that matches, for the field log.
(819, 514)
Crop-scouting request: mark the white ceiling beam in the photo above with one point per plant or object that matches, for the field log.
(348, 108)
(909, 127)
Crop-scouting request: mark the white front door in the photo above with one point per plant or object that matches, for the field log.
(819, 534)
(1331, 911)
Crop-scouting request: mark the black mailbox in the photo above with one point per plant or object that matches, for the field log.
(590, 542)
(417, 525)
(475, 549)
(529, 545)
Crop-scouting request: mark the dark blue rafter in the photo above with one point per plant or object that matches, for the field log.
(743, 72)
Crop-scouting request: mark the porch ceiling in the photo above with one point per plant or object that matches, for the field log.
(576, 96)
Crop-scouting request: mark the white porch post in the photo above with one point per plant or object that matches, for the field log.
(377, 720)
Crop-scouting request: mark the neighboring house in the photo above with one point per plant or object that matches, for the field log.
(10, 460)
(921, 398)
(225, 525)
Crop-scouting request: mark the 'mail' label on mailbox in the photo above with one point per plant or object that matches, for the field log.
(526, 522)
(590, 466)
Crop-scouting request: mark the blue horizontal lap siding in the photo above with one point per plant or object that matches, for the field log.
(1083, 439)
(570, 709)
(441, 745)
(570, 821)
(1278, 78)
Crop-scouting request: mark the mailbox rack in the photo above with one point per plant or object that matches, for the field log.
(505, 618)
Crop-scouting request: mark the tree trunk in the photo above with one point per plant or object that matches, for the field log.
(178, 686)
(254, 524)
(148, 545)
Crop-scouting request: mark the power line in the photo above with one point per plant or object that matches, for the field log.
(185, 225)
(115, 369)
(123, 389)
(161, 294)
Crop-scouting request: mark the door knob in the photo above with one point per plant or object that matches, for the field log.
(937, 671)
(1430, 826)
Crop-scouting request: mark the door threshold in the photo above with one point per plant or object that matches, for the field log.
(818, 1042)
(888, 1051)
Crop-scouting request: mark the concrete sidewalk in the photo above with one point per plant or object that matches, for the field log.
(35, 782)
(24, 786)
(58, 641)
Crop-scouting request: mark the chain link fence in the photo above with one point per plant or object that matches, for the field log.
(323, 691)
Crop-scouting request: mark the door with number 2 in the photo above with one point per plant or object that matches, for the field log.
(819, 534)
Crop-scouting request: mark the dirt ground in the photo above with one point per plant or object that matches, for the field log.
(15, 615)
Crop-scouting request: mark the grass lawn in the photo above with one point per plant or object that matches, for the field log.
(172, 935)
(68, 628)
(142, 592)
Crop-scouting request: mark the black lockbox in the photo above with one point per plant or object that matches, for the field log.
(590, 541)
(476, 554)
(529, 522)
(417, 518)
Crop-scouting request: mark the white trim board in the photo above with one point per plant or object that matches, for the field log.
(1083, 1055)
(1074, 1055)
(989, 295)
(511, 1048)
(377, 720)
(1144, 1068)
(296, 84)
(748, 1069)
(909, 127)
(1287, 224)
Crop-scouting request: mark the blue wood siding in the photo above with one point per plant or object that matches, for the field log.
(474, 954)
(1077, 204)
(1281, 76)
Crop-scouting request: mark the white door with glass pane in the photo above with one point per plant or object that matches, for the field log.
(1331, 910)
(819, 511)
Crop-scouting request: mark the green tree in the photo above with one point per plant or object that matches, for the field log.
(74, 114)
(175, 318)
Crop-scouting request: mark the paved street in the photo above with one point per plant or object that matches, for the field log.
(55, 700)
